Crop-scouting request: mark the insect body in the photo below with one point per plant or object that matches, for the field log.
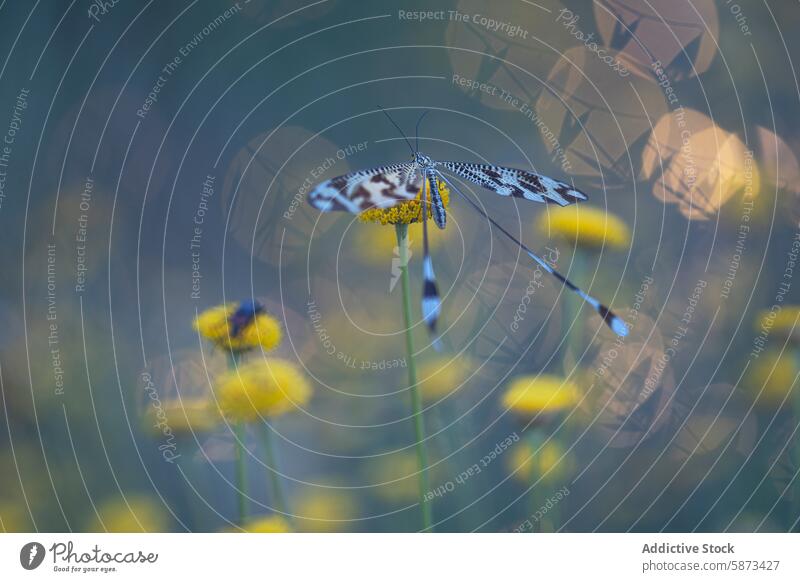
(386, 186)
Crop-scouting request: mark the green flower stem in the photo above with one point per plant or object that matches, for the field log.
(551, 519)
(241, 472)
(794, 506)
(416, 399)
(575, 314)
(278, 499)
(534, 439)
(240, 466)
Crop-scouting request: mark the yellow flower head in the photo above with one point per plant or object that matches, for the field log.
(184, 416)
(263, 387)
(324, 511)
(585, 226)
(785, 322)
(441, 376)
(532, 395)
(131, 514)
(772, 376)
(217, 325)
(405, 212)
(549, 463)
(267, 524)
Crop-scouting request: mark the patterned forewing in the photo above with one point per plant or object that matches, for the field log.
(519, 183)
(356, 192)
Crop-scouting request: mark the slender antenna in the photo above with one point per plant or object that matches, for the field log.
(416, 131)
(386, 113)
(616, 324)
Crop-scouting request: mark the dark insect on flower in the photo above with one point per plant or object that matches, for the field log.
(244, 315)
(239, 326)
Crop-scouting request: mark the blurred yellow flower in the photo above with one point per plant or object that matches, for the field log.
(324, 511)
(184, 416)
(267, 524)
(550, 463)
(405, 212)
(544, 393)
(364, 327)
(262, 387)
(130, 514)
(261, 330)
(585, 226)
(785, 322)
(14, 518)
(751, 181)
(771, 377)
(701, 184)
(398, 474)
(441, 376)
